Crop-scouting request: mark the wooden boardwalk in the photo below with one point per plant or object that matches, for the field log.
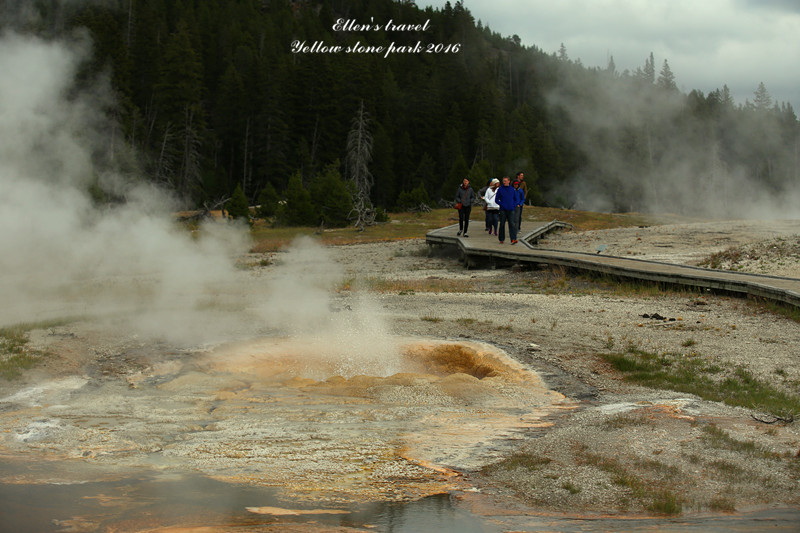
(481, 250)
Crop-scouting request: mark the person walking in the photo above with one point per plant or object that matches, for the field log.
(506, 199)
(465, 197)
(520, 203)
(520, 177)
(492, 209)
(482, 196)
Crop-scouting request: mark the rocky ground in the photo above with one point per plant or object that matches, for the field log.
(605, 446)
(629, 448)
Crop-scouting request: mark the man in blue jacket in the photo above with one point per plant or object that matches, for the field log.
(507, 200)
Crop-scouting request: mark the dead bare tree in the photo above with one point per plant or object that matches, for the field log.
(190, 154)
(359, 155)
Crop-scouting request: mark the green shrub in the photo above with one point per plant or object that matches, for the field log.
(237, 206)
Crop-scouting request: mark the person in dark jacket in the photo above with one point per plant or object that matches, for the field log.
(520, 203)
(506, 198)
(466, 197)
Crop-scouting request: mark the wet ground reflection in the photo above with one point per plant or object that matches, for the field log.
(191, 503)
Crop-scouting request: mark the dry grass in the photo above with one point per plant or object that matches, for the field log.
(587, 220)
(400, 226)
(755, 254)
(416, 225)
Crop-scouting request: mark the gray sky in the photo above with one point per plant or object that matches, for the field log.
(707, 43)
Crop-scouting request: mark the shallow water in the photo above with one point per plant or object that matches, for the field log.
(172, 503)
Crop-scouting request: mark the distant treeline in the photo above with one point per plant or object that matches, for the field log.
(219, 94)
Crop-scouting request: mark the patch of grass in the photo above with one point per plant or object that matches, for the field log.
(729, 471)
(688, 342)
(429, 318)
(15, 354)
(653, 497)
(718, 438)
(466, 321)
(570, 487)
(776, 308)
(525, 461)
(608, 284)
(666, 502)
(659, 467)
(731, 256)
(722, 504)
(12, 366)
(733, 386)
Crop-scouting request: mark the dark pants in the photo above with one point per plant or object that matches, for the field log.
(491, 219)
(463, 218)
(518, 217)
(507, 216)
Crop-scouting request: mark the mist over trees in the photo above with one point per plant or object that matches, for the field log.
(212, 98)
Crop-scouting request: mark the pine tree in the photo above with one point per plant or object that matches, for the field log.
(298, 209)
(612, 67)
(238, 206)
(666, 79)
(562, 53)
(267, 201)
(763, 100)
(650, 69)
(331, 197)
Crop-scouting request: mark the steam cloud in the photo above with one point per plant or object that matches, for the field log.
(686, 174)
(63, 255)
(352, 335)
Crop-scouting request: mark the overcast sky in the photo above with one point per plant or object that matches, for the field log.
(707, 43)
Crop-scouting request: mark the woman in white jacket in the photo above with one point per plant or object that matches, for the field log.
(492, 209)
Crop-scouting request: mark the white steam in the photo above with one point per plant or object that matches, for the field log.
(64, 256)
(350, 335)
(61, 254)
(634, 161)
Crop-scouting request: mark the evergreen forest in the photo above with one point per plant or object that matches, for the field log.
(232, 98)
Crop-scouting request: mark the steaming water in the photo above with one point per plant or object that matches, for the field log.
(265, 413)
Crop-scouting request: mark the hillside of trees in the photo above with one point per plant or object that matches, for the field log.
(213, 98)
